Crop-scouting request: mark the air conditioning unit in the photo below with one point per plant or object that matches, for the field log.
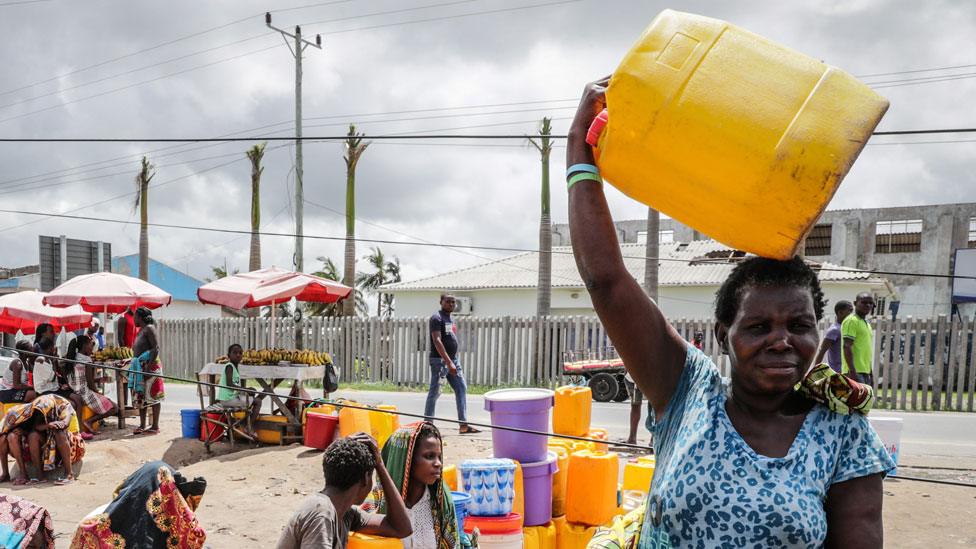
(465, 306)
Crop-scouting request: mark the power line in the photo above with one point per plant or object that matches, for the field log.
(160, 45)
(336, 404)
(22, 2)
(933, 69)
(706, 261)
(373, 137)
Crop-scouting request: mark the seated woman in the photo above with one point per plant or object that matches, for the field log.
(24, 525)
(47, 378)
(13, 385)
(81, 378)
(40, 429)
(414, 458)
(154, 496)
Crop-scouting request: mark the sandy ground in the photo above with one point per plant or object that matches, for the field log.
(252, 491)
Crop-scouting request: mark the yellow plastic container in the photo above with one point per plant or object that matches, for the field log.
(599, 433)
(270, 436)
(364, 541)
(450, 477)
(571, 414)
(73, 426)
(539, 537)
(87, 413)
(591, 489)
(559, 480)
(382, 424)
(354, 420)
(574, 536)
(766, 133)
(518, 503)
(324, 409)
(638, 474)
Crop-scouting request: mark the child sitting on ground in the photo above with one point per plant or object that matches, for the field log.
(348, 465)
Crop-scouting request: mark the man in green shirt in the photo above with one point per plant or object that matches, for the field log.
(859, 341)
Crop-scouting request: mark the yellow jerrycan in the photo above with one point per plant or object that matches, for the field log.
(571, 413)
(734, 135)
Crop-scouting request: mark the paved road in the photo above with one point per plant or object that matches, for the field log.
(932, 433)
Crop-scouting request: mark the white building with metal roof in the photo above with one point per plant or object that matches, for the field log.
(690, 274)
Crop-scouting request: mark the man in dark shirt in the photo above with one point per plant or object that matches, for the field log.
(444, 361)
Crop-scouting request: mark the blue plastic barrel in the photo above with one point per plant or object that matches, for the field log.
(460, 507)
(191, 423)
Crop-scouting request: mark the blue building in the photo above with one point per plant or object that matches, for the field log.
(181, 286)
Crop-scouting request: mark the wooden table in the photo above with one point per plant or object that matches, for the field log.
(121, 388)
(268, 377)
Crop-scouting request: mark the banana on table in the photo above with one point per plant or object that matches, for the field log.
(271, 357)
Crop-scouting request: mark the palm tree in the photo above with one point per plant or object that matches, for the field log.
(255, 154)
(355, 147)
(146, 173)
(220, 271)
(383, 272)
(544, 295)
(329, 271)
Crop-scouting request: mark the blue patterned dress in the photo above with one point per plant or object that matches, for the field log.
(711, 489)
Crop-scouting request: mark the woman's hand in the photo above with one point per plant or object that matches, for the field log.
(593, 102)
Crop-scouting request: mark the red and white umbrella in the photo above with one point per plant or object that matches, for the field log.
(23, 311)
(269, 287)
(107, 293)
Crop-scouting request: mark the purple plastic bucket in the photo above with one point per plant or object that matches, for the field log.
(537, 488)
(524, 409)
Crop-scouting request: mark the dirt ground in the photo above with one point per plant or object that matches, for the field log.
(252, 492)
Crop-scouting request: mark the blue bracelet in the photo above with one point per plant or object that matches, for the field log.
(576, 168)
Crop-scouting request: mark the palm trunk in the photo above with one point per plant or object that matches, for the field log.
(349, 271)
(143, 200)
(255, 155)
(544, 289)
(652, 250)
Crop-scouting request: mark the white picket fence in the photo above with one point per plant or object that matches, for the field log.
(920, 364)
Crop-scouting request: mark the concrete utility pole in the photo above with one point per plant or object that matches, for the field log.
(296, 51)
(652, 250)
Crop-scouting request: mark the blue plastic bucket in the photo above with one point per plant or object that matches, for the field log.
(460, 507)
(191, 423)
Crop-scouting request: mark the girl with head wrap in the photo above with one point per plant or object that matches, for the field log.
(414, 458)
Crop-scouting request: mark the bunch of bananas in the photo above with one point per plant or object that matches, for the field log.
(112, 353)
(271, 357)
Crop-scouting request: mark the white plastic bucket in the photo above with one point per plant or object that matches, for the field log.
(512, 540)
(889, 430)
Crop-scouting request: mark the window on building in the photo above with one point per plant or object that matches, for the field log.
(664, 237)
(898, 236)
(972, 232)
(818, 241)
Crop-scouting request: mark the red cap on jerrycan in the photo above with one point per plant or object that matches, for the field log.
(596, 128)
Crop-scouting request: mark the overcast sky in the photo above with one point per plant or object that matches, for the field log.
(440, 192)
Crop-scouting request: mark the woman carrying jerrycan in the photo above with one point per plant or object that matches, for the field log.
(748, 462)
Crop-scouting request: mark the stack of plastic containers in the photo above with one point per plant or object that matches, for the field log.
(490, 486)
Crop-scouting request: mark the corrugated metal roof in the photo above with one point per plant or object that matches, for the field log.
(520, 271)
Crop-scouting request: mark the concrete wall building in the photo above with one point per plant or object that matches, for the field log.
(688, 281)
(915, 239)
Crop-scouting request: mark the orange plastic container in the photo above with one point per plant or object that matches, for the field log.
(638, 474)
(354, 420)
(599, 433)
(559, 480)
(764, 132)
(539, 537)
(450, 477)
(591, 488)
(364, 541)
(571, 414)
(574, 536)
